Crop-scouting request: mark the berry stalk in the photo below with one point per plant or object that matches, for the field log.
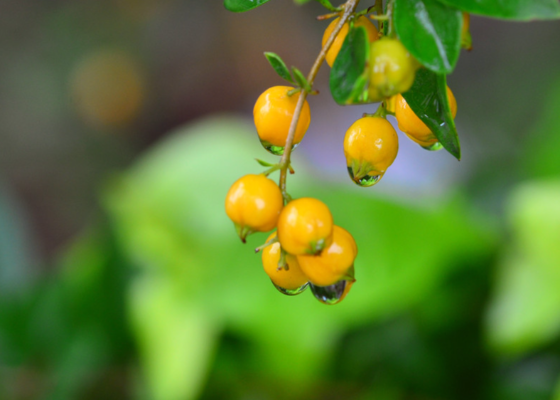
(349, 8)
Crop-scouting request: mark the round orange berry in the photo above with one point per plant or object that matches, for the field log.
(305, 226)
(335, 261)
(370, 146)
(273, 113)
(288, 281)
(364, 21)
(254, 203)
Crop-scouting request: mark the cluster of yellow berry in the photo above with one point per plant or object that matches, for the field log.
(308, 249)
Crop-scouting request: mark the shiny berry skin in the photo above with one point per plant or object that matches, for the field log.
(290, 281)
(371, 145)
(413, 126)
(305, 226)
(371, 30)
(254, 203)
(273, 113)
(391, 69)
(334, 263)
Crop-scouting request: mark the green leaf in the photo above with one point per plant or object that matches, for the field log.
(348, 74)
(520, 10)
(264, 163)
(431, 31)
(428, 99)
(301, 80)
(327, 4)
(301, 1)
(279, 66)
(243, 5)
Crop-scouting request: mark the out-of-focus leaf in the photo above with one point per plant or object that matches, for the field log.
(520, 10)
(428, 99)
(431, 32)
(347, 81)
(170, 216)
(243, 5)
(524, 312)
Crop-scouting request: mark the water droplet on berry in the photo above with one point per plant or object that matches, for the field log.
(276, 150)
(365, 181)
(329, 294)
(290, 292)
(434, 147)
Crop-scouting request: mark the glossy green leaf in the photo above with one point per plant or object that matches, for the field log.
(243, 5)
(348, 74)
(428, 99)
(327, 4)
(431, 31)
(279, 66)
(520, 10)
(301, 80)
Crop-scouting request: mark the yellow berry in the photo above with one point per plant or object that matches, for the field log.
(288, 281)
(254, 203)
(305, 226)
(371, 30)
(335, 261)
(413, 127)
(273, 113)
(370, 146)
(391, 69)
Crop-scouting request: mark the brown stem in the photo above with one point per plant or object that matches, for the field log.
(348, 8)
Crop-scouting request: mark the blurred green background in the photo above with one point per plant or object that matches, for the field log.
(124, 122)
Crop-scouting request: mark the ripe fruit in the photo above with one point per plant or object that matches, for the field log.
(335, 261)
(413, 126)
(305, 226)
(391, 69)
(289, 281)
(370, 146)
(273, 114)
(371, 30)
(253, 203)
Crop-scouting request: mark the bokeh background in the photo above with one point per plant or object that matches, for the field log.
(124, 122)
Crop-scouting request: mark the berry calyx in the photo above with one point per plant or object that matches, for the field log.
(273, 113)
(371, 30)
(305, 226)
(414, 128)
(371, 145)
(334, 263)
(290, 280)
(253, 203)
(391, 69)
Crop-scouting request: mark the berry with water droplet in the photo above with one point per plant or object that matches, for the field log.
(273, 113)
(391, 69)
(254, 203)
(364, 21)
(414, 128)
(290, 281)
(305, 226)
(331, 294)
(370, 146)
(335, 262)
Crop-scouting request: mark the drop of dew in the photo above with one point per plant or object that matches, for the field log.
(365, 181)
(433, 147)
(329, 294)
(276, 150)
(290, 292)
